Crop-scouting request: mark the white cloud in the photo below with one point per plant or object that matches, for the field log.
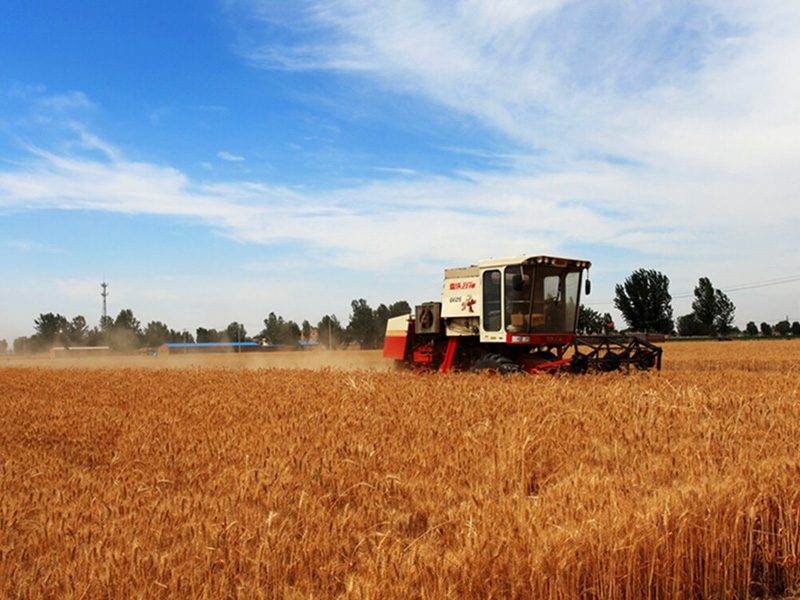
(393, 222)
(397, 170)
(676, 81)
(65, 103)
(668, 131)
(22, 245)
(230, 157)
(410, 226)
(157, 115)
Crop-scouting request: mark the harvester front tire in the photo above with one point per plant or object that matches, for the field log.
(644, 361)
(610, 362)
(495, 364)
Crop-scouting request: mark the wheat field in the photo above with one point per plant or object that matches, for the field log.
(182, 480)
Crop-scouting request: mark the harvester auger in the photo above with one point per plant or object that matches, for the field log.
(510, 315)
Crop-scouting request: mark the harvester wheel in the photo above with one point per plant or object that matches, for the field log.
(610, 362)
(495, 364)
(579, 363)
(644, 360)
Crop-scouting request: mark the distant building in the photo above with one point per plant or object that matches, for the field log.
(223, 347)
(213, 347)
(313, 336)
(79, 351)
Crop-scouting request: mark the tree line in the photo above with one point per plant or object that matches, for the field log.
(643, 300)
(366, 326)
(645, 303)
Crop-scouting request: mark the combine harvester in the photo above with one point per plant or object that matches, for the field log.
(510, 315)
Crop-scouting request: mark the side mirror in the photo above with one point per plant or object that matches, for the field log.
(588, 287)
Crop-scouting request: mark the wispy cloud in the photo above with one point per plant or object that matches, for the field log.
(157, 115)
(210, 108)
(664, 130)
(65, 103)
(31, 246)
(678, 115)
(40, 104)
(636, 80)
(394, 221)
(230, 157)
(397, 170)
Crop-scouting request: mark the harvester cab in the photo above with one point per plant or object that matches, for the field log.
(507, 315)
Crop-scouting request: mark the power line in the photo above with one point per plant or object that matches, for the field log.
(750, 286)
(734, 288)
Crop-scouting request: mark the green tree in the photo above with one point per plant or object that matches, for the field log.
(106, 323)
(381, 317)
(273, 331)
(783, 327)
(278, 331)
(795, 328)
(22, 345)
(766, 329)
(3, 347)
(236, 333)
(723, 321)
(751, 328)
(306, 329)
(183, 337)
(645, 302)
(179, 337)
(363, 325)
(155, 334)
(77, 330)
(126, 320)
(96, 337)
(590, 321)
(292, 333)
(126, 333)
(330, 332)
(399, 308)
(208, 336)
(689, 325)
(713, 309)
(705, 305)
(383, 313)
(49, 328)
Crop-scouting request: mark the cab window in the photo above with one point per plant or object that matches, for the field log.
(518, 289)
(492, 316)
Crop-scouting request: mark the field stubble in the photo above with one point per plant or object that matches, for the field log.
(259, 482)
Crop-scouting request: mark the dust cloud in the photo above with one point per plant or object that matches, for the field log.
(315, 360)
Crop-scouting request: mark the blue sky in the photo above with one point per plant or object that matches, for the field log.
(218, 161)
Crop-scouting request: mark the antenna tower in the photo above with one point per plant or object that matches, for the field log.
(104, 294)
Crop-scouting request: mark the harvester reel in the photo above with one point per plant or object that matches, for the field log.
(613, 353)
